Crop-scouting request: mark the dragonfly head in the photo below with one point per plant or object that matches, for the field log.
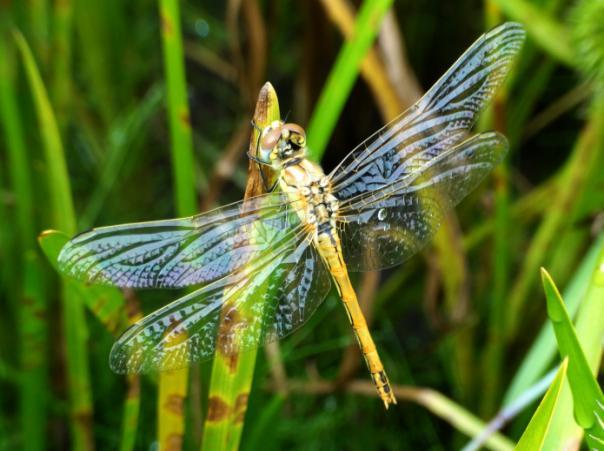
(281, 141)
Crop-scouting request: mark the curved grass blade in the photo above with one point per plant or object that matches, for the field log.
(62, 210)
(541, 354)
(587, 395)
(538, 428)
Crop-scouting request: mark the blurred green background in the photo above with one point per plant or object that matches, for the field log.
(96, 99)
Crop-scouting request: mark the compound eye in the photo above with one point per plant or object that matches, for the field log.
(299, 140)
(270, 138)
(298, 136)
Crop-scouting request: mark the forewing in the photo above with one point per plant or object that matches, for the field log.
(437, 122)
(383, 228)
(268, 299)
(178, 252)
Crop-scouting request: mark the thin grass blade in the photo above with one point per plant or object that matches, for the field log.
(62, 210)
(538, 428)
(343, 75)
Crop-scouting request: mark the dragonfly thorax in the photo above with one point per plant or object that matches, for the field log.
(280, 143)
(311, 193)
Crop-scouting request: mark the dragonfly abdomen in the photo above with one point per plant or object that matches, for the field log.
(328, 244)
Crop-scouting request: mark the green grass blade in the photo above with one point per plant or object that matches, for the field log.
(538, 428)
(107, 304)
(74, 323)
(178, 109)
(543, 350)
(58, 179)
(32, 300)
(586, 392)
(173, 385)
(343, 75)
(131, 414)
(460, 418)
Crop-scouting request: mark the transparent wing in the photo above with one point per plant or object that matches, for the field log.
(178, 252)
(438, 121)
(383, 228)
(267, 299)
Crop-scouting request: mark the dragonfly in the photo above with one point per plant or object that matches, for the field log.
(262, 266)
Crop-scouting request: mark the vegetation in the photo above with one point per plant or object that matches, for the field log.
(116, 111)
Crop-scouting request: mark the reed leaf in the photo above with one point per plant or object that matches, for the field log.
(343, 75)
(173, 384)
(537, 360)
(584, 349)
(232, 375)
(587, 394)
(538, 429)
(32, 299)
(64, 218)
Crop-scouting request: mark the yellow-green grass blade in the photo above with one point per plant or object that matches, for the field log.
(178, 109)
(173, 385)
(32, 302)
(539, 427)
(460, 418)
(232, 375)
(543, 350)
(587, 395)
(63, 217)
(59, 190)
(566, 433)
(343, 75)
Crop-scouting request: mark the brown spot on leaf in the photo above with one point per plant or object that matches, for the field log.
(166, 24)
(229, 333)
(240, 407)
(134, 385)
(174, 404)
(185, 119)
(84, 419)
(174, 442)
(218, 410)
